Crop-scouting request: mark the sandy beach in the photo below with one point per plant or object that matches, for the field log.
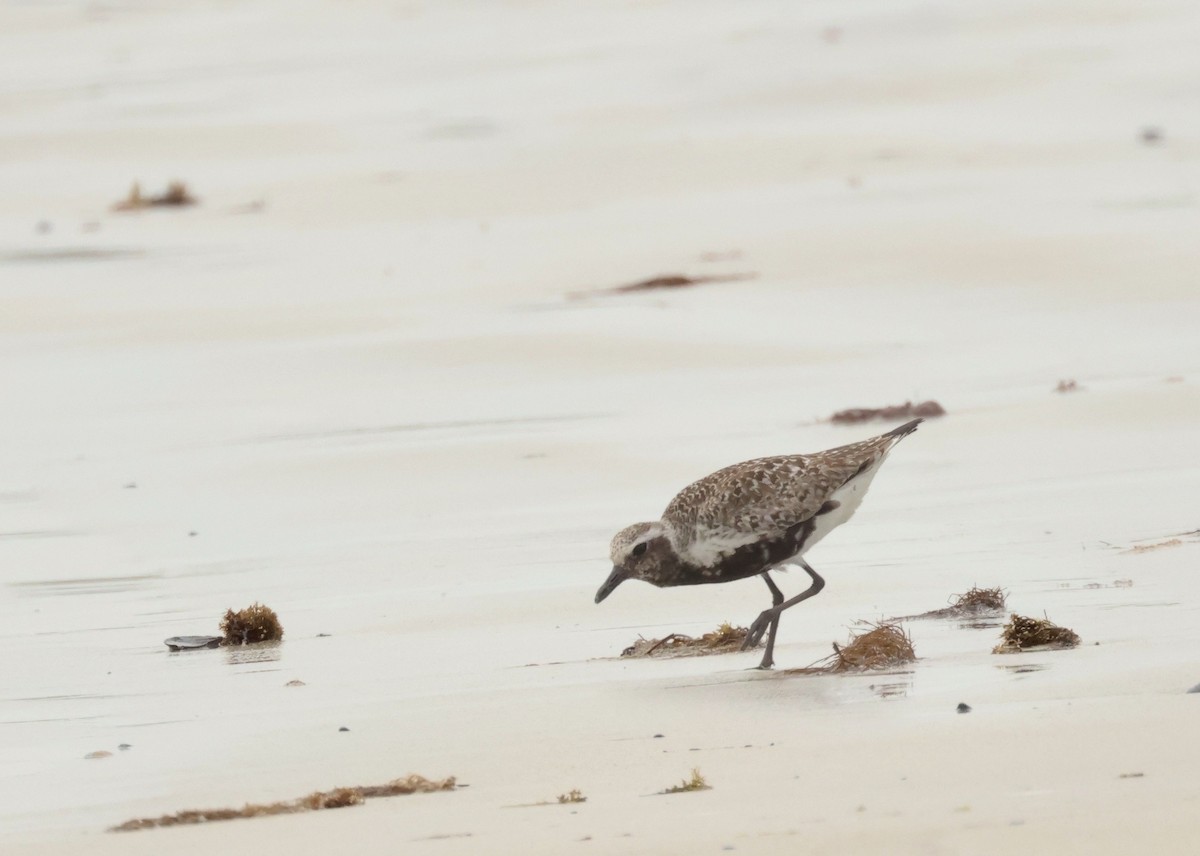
(376, 378)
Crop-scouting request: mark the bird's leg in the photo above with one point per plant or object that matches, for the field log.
(769, 618)
(768, 659)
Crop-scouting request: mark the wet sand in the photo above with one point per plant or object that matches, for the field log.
(369, 380)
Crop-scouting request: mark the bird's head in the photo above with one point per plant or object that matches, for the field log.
(638, 552)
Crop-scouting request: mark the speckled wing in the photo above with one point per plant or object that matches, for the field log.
(761, 499)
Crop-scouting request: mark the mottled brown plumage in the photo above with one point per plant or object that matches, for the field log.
(747, 518)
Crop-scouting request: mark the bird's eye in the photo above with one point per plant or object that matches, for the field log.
(639, 549)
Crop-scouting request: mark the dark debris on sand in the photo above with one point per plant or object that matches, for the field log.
(723, 640)
(666, 282)
(1023, 633)
(676, 280)
(907, 410)
(337, 798)
(176, 195)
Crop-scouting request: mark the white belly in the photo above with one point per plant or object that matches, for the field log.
(849, 497)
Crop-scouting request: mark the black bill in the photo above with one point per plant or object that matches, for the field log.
(617, 577)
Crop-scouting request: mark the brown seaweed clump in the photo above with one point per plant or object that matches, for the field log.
(316, 801)
(572, 796)
(1023, 633)
(255, 623)
(884, 646)
(907, 410)
(1176, 540)
(412, 784)
(723, 640)
(970, 604)
(976, 600)
(1146, 548)
(695, 783)
(176, 195)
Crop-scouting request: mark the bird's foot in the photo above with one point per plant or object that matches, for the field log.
(759, 629)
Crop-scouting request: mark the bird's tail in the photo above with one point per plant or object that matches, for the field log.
(904, 430)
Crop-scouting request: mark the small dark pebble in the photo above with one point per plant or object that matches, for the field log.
(963, 707)
(1151, 135)
(1195, 689)
(343, 728)
(131, 486)
(657, 736)
(322, 635)
(192, 534)
(1131, 775)
(125, 746)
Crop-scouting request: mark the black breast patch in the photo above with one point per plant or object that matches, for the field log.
(753, 558)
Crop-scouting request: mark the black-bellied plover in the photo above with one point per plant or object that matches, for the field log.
(749, 518)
